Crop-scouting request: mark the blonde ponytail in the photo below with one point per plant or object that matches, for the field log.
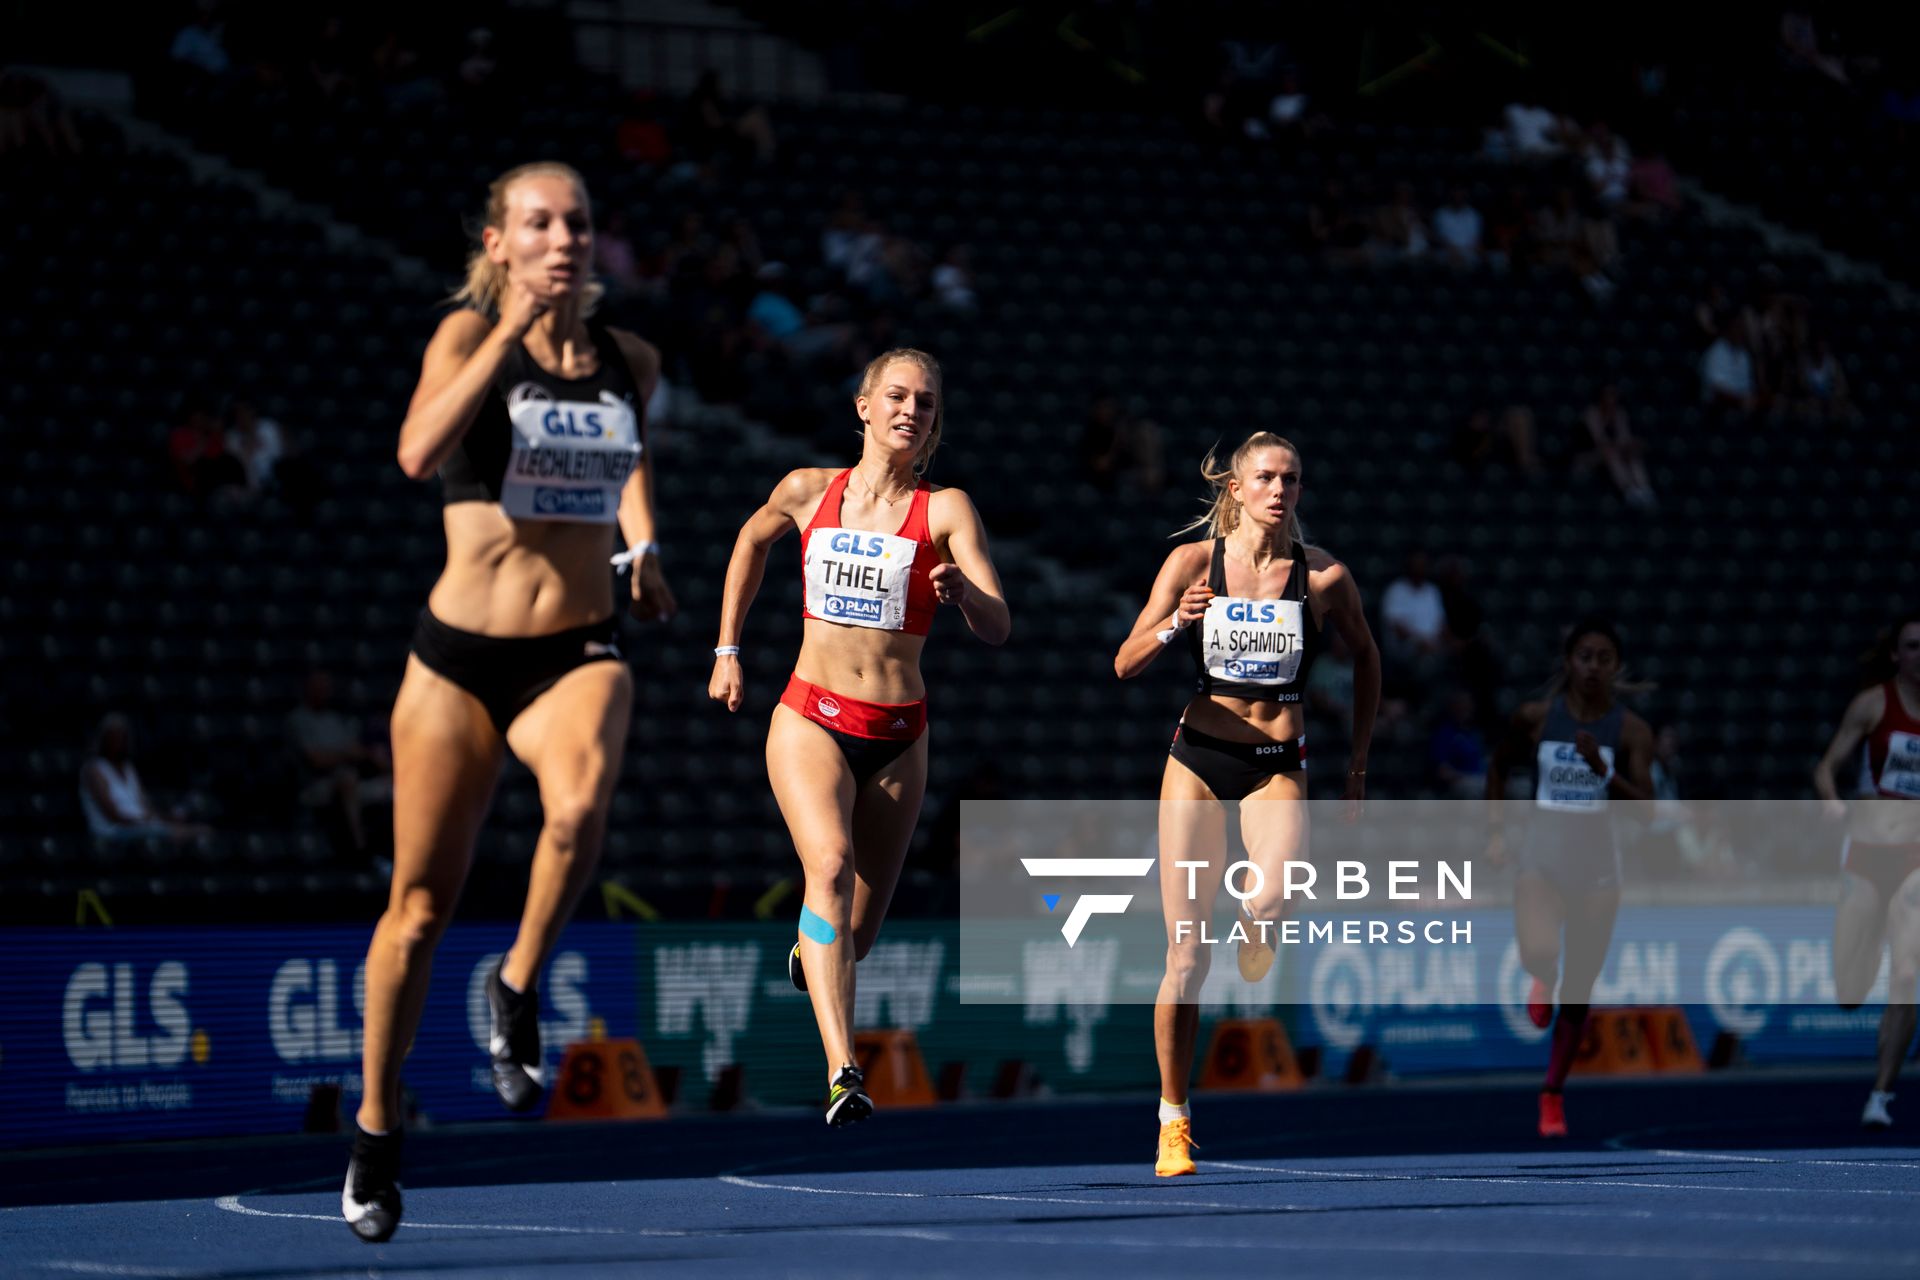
(1223, 511)
(486, 279)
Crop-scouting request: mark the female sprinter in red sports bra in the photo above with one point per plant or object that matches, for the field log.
(1254, 601)
(847, 749)
(1881, 898)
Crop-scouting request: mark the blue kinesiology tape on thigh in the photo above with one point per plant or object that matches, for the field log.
(816, 927)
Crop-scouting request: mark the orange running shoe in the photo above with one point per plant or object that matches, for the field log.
(1553, 1115)
(1539, 1005)
(1176, 1147)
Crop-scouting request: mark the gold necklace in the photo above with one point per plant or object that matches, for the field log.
(875, 493)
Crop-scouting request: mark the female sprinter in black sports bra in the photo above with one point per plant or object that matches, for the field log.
(1252, 601)
(531, 414)
(847, 749)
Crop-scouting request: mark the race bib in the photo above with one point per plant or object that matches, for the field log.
(1566, 782)
(1253, 641)
(859, 578)
(570, 458)
(1900, 776)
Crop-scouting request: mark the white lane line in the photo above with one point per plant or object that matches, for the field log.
(1017, 1197)
(1013, 1234)
(1571, 1183)
(1864, 1166)
(232, 1205)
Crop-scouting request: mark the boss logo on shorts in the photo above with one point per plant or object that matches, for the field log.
(855, 609)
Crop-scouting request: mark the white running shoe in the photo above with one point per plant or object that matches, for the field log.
(1875, 1116)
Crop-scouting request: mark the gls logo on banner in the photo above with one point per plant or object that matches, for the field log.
(1093, 904)
(101, 1008)
(303, 1012)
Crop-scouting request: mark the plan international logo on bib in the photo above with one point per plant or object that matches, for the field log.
(1252, 668)
(857, 608)
(569, 502)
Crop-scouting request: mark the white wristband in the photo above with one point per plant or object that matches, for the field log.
(726, 651)
(633, 555)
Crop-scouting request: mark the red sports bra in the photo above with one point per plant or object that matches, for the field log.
(1893, 749)
(860, 578)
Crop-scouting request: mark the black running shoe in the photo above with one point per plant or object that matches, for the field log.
(519, 1075)
(847, 1100)
(370, 1201)
(796, 972)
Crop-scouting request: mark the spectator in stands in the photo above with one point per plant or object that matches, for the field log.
(340, 772)
(32, 113)
(1509, 235)
(1333, 228)
(1558, 229)
(203, 467)
(1456, 225)
(614, 256)
(478, 67)
(716, 126)
(1533, 132)
(1726, 370)
(202, 44)
(1398, 226)
(395, 68)
(953, 280)
(1119, 447)
(745, 242)
(776, 318)
(258, 443)
(114, 800)
(1608, 164)
(1481, 440)
(1822, 383)
(1415, 628)
(1800, 48)
(1457, 750)
(329, 63)
(1712, 312)
(1474, 659)
(1654, 188)
(1615, 447)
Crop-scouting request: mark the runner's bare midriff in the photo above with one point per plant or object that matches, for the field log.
(862, 662)
(506, 577)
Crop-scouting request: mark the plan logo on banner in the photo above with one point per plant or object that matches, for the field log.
(107, 1026)
(1743, 980)
(1351, 985)
(714, 978)
(898, 984)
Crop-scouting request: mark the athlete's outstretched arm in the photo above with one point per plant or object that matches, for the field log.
(455, 375)
(1178, 601)
(968, 578)
(652, 598)
(1862, 713)
(746, 568)
(1349, 617)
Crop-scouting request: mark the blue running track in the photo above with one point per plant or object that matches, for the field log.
(1755, 1177)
